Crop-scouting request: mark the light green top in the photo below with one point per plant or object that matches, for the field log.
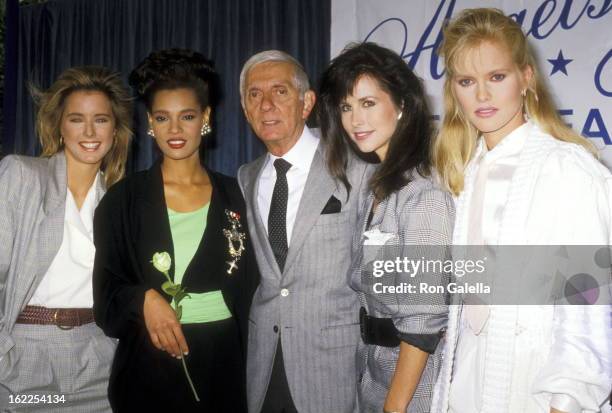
(187, 229)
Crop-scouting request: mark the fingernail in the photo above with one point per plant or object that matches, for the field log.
(186, 353)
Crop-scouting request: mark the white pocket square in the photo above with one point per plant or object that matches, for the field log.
(376, 237)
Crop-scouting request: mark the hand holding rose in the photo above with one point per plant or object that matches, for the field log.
(163, 327)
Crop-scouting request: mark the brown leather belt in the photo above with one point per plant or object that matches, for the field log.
(64, 318)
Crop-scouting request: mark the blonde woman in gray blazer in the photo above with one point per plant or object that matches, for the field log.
(53, 357)
(373, 103)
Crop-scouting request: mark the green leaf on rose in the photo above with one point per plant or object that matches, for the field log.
(180, 295)
(170, 288)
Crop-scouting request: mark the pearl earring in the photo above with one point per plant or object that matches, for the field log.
(206, 129)
(399, 116)
(151, 133)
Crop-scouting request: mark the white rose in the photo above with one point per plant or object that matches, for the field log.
(162, 261)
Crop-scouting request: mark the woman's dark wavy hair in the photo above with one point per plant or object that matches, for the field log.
(170, 69)
(409, 147)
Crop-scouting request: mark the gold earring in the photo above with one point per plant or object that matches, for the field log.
(61, 141)
(525, 110)
(400, 115)
(206, 129)
(151, 133)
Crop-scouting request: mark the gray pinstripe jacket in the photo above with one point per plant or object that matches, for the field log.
(413, 219)
(32, 207)
(318, 319)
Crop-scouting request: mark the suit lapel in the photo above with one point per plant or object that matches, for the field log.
(251, 192)
(51, 220)
(155, 235)
(215, 221)
(319, 187)
(55, 191)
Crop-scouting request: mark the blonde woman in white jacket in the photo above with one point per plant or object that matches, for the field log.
(521, 177)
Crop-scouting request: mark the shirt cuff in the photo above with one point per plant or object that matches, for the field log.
(424, 342)
(565, 403)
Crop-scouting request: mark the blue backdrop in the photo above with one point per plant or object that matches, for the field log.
(120, 33)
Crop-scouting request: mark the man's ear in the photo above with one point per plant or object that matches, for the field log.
(309, 101)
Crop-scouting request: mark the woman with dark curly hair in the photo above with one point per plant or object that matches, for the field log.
(173, 274)
(372, 103)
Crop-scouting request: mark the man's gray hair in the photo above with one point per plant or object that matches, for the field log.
(300, 78)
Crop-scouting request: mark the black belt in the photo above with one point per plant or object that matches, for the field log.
(377, 331)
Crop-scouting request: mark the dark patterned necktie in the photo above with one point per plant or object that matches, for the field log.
(277, 219)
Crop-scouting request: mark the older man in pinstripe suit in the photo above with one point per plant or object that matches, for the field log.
(304, 327)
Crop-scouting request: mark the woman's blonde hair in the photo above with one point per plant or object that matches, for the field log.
(456, 140)
(51, 105)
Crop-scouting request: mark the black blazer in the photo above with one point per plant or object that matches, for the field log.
(131, 224)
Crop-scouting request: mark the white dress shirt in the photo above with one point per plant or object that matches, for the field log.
(494, 174)
(300, 157)
(495, 169)
(67, 282)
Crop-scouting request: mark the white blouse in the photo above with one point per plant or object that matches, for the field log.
(67, 282)
(493, 174)
(561, 354)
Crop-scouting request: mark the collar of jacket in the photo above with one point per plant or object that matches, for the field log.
(57, 183)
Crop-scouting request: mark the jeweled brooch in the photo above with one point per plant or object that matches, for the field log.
(235, 240)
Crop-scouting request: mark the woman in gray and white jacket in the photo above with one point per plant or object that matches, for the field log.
(52, 354)
(373, 103)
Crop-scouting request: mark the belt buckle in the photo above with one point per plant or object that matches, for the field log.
(61, 327)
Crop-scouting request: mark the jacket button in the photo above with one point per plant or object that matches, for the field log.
(275, 329)
(284, 292)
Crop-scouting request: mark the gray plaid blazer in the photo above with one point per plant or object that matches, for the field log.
(318, 319)
(416, 221)
(32, 207)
